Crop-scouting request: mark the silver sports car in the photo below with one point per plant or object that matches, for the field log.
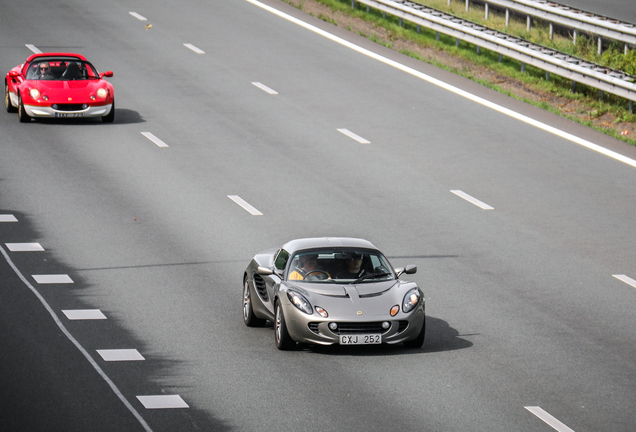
(332, 291)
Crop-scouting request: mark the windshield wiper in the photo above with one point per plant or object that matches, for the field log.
(370, 275)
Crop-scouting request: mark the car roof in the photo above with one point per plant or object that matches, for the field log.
(326, 242)
(55, 54)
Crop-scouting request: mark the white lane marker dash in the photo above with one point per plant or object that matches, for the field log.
(24, 247)
(193, 48)
(84, 314)
(53, 279)
(472, 200)
(547, 418)
(162, 401)
(354, 136)
(120, 355)
(240, 201)
(33, 48)
(7, 218)
(154, 139)
(139, 17)
(626, 279)
(265, 88)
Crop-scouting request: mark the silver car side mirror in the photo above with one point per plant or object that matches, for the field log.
(409, 269)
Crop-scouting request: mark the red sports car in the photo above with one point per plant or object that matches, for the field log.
(50, 85)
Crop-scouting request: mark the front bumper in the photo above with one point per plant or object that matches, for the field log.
(314, 329)
(47, 111)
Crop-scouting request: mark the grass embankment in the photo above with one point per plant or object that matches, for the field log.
(610, 115)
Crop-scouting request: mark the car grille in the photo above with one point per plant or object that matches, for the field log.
(261, 288)
(403, 325)
(69, 107)
(345, 328)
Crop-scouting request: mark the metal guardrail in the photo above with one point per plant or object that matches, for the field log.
(576, 19)
(552, 61)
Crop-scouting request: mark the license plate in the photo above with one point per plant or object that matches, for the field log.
(363, 339)
(69, 114)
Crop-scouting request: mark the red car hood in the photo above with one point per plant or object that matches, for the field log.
(61, 91)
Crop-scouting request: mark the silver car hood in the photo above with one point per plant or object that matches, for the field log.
(339, 290)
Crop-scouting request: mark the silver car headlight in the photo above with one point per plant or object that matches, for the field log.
(411, 299)
(300, 302)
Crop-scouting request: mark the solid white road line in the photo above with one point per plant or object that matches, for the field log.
(139, 17)
(120, 355)
(84, 314)
(81, 349)
(240, 201)
(453, 89)
(626, 279)
(7, 218)
(547, 418)
(53, 279)
(24, 247)
(162, 401)
(265, 88)
(354, 136)
(33, 48)
(472, 200)
(193, 48)
(154, 139)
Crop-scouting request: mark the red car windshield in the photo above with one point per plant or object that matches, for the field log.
(61, 70)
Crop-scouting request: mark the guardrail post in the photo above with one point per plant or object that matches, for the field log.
(401, 21)
(551, 31)
(528, 22)
(600, 95)
(574, 37)
(448, 4)
(486, 7)
(418, 28)
(437, 36)
(500, 58)
(478, 49)
(547, 75)
(631, 107)
(626, 49)
(353, 4)
(368, 8)
(457, 42)
(573, 86)
(507, 17)
(523, 67)
(600, 45)
(467, 5)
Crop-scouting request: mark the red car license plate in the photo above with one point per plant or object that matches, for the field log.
(69, 114)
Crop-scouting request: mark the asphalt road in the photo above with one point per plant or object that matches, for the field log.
(527, 318)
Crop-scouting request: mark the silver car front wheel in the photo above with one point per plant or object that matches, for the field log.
(283, 340)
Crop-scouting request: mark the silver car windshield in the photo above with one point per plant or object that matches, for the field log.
(342, 265)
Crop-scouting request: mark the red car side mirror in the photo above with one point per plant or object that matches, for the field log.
(106, 74)
(14, 74)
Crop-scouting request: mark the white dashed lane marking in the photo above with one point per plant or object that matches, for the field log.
(84, 314)
(626, 279)
(162, 401)
(139, 17)
(154, 139)
(193, 48)
(472, 200)
(8, 218)
(24, 247)
(350, 134)
(120, 355)
(33, 48)
(240, 201)
(548, 419)
(265, 88)
(53, 279)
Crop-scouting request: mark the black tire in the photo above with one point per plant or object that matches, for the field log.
(284, 341)
(249, 318)
(22, 115)
(110, 117)
(419, 340)
(7, 101)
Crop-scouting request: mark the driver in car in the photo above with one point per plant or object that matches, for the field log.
(354, 268)
(44, 71)
(308, 267)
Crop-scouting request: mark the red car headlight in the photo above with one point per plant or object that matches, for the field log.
(34, 93)
(102, 93)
